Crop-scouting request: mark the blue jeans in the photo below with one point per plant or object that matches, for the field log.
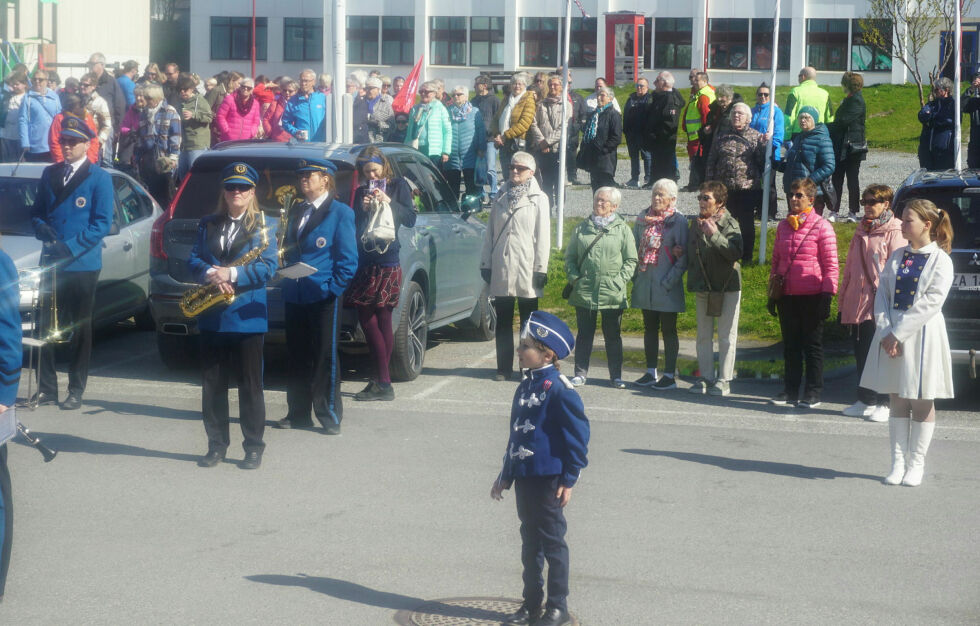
(492, 167)
(186, 160)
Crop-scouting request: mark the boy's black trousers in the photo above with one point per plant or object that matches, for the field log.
(542, 538)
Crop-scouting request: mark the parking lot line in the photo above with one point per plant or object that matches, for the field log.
(428, 391)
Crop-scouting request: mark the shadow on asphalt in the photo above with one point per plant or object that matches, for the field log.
(342, 590)
(73, 444)
(748, 465)
(142, 410)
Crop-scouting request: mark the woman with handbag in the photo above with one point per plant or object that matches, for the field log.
(158, 145)
(509, 127)
(429, 128)
(599, 261)
(660, 234)
(714, 247)
(876, 238)
(810, 155)
(910, 359)
(375, 287)
(850, 145)
(802, 284)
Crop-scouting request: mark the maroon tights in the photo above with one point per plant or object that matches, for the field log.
(376, 324)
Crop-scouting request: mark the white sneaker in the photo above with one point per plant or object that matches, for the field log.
(830, 216)
(880, 414)
(577, 381)
(860, 409)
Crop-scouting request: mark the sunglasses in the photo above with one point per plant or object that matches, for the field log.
(233, 188)
(70, 142)
(246, 88)
(797, 195)
(870, 201)
(763, 94)
(85, 85)
(705, 198)
(519, 168)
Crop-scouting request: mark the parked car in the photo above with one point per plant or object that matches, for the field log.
(440, 256)
(124, 280)
(957, 193)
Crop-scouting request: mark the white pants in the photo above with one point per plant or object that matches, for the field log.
(727, 335)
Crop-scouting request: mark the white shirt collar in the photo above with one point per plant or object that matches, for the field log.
(319, 201)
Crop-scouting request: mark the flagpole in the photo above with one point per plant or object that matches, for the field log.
(767, 174)
(957, 78)
(563, 143)
(253, 39)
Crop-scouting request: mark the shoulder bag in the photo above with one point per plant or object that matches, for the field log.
(566, 291)
(380, 231)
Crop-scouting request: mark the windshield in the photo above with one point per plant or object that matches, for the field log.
(17, 196)
(963, 208)
(277, 177)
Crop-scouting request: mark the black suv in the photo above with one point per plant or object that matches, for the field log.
(957, 193)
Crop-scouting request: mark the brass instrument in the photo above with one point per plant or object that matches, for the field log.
(55, 333)
(199, 299)
(286, 195)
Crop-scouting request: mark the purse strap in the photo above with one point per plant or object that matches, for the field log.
(797, 251)
(704, 271)
(864, 267)
(602, 231)
(503, 228)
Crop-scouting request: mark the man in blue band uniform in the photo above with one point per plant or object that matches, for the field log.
(10, 363)
(319, 232)
(235, 253)
(72, 215)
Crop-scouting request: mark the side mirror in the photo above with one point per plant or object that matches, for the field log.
(470, 205)
(114, 229)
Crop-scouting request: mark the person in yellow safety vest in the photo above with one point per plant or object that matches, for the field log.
(695, 115)
(807, 93)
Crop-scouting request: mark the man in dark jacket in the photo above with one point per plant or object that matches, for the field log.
(937, 117)
(575, 126)
(171, 91)
(970, 105)
(661, 128)
(635, 113)
(109, 89)
(488, 104)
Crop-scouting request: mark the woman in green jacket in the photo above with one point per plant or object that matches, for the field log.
(599, 262)
(429, 129)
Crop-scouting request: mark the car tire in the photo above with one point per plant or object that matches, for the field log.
(178, 352)
(486, 327)
(411, 335)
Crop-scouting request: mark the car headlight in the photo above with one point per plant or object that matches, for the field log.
(29, 278)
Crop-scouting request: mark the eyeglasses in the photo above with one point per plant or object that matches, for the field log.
(245, 88)
(762, 94)
(401, 122)
(426, 91)
(237, 188)
(519, 168)
(797, 195)
(70, 142)
(870, 201)
(459, 95)
(37, 79)
(85, 85)
(705, 198)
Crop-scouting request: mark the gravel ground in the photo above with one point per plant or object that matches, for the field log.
(890, 168)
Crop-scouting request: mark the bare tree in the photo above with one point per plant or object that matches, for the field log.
(918, 22)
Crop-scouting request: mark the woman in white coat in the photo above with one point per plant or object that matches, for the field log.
(909, 358)
(514, 260)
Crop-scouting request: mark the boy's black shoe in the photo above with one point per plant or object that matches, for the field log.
(252, 460)
(523, 616)
(212, 458)
(554, 617)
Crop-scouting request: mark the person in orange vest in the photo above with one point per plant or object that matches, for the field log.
(694, 117)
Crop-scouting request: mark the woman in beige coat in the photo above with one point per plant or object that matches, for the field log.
(514, 260)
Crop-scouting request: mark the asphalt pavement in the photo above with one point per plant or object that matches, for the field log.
(693, 510)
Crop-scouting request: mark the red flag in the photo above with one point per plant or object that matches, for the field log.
(405, 99)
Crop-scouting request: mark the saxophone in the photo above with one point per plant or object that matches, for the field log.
(199, 299)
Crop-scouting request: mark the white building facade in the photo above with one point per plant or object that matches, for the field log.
(461, 38)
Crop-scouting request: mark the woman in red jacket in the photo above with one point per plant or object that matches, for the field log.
(804, 260)
(73, 106)
(239, 116)
(271, 120)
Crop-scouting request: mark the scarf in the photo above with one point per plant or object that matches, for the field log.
(516, 192)
(503, 123)
(795, 221)
(653, 238)
(593, 127)
(602, 222)
(372, 103)
(243, 108)
(870, 224)
(459, 113)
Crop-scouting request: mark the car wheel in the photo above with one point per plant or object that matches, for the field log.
(486, 327)
(177, 351)
(144, 319)
(411, 335)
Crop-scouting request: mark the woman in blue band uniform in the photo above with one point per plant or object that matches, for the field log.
(319, 232)
(232, 336)
(10, 363)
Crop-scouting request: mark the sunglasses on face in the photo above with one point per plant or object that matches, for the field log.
(797, 195)
(245, 88)
(235, 188)
(519, 168)
(870, 201)
(763, 94)
(705, 198)
(85, 85)
(69, 142)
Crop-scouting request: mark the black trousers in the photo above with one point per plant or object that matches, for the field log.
(548, 167)
(612, 320)
(862, 334)
(653, 323)
(453, 177)
(224, 354)
(636, 149)
(76, 299)
(973, 150)
(6, 518)
(504, 307)
(850, 167)
(663, 160)
(743, 205)
(543, 529)
(698, 165)
(601, 179)
(571, 149)
(314, 367)
(802, 329)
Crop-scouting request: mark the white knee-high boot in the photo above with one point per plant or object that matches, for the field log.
(918, 446)
(898, 434)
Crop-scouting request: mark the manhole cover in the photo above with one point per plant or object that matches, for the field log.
(461, 612)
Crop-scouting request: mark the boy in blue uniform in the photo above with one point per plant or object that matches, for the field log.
(10, 363)
(547, 450)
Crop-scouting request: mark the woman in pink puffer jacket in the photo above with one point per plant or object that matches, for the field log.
(878, 235)
(805, 255)
(240, 114)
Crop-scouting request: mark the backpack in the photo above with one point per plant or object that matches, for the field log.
(380, 230)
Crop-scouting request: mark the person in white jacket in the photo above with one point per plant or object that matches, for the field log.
(99, 108)
(514, 259)
(909, 358)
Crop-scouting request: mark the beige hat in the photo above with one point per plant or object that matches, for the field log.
(374, 81)
(525, 159)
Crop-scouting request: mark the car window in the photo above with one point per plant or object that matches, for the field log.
(963, 208)
(425, 176)
(131, 205)
(17, 196)
(276, 178)
(416, 182)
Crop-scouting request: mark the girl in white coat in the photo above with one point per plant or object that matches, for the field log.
(910, 358)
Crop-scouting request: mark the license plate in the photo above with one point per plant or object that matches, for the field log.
(966, 282)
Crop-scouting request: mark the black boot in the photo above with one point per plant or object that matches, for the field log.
(523, 616)
(554, 617)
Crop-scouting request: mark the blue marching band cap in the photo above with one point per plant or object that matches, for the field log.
(316, 165)
(551, 331)
(239, 173)
(76, 128)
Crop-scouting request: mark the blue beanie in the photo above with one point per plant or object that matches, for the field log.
(812, 112)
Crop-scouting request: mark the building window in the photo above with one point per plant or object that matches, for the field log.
(362, 39)
(672, 42)
(486, 41)
(582, 50)
(867, 56)
(447, 40)
(826, 44)
(398, 40)
(762, 43)
(231, 38)
(539, 42)
(303, 39)
(728, 44)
